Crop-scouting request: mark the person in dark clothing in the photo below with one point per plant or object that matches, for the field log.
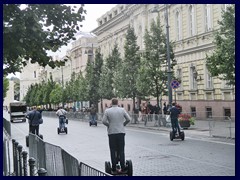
(174, 112)
(34, 118)
(164, 108)
(150, 111)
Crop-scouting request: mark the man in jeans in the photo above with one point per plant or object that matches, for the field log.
(115, 118)
(61, 114)
(174, 112)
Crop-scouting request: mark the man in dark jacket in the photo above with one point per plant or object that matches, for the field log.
(34, 118)
(174, 112)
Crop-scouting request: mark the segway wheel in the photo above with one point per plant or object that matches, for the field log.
(58, 130)
(129, 167)
(27, 141)
(182, 136)
(65, 129)
(66, 121)
(96, 123)
(41, 136)
(171, 135)
(107, 167)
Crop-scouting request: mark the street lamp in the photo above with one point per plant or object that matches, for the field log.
(155, 10)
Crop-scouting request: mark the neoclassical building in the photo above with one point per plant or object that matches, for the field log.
(191, 28)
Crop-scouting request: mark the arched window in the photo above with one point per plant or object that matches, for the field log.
(191, 21)
(207, 19)
(178, 26)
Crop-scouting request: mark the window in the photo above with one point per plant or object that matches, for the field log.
(178, 25)
(227, 112)
(34, 74)
(193, 111)
(208, 112)
(207, 19)
(191, 21)
(129, 107)
(192, 79)
(209, 81)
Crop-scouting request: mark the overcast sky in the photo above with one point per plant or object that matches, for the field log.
(94, 11)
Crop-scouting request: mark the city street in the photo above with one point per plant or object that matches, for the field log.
(151, 151)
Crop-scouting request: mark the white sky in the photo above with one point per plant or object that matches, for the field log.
(94, 11)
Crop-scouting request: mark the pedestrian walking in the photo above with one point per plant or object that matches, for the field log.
(116, 118)
(34, 119)
(136, 113)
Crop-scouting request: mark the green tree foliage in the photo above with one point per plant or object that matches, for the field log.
(108, 74)
(153, 73)
(56, 94)
(28, 33)
(93, 74)
(222, 61)
(5, 86)
(128, 73)
(81, 85)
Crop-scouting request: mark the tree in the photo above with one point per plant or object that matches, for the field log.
(56, 94)
(5, 86)
(127, 76)
(93, 73)
(153, 73)
(28, 33)
(107, 85)
(222, 61)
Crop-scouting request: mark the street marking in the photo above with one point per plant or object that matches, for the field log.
(165, 134)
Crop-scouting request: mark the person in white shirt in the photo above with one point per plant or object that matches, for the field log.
(116, 118)
(61, 113)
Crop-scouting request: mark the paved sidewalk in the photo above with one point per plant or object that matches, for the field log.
(202, 128)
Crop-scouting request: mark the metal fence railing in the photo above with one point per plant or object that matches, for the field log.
(7, 127)
(86, 170)
(57, 161)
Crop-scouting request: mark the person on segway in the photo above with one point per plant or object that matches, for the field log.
(174, 112)
(61, 113)
(116, 118)
(93, 114)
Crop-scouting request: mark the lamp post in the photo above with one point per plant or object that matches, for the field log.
(168, 59)
(62, 88)
(155, 10)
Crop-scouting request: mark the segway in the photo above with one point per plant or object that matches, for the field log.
(176, 135)
(127, 172)
(63, 130)
(92, 123)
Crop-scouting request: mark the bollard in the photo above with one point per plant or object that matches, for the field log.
(13, 144)
(19, 147)
(24, 154)
(16, 158)
(31, 162)
(42, 172)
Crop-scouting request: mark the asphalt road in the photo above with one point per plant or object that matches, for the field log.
(152, 152)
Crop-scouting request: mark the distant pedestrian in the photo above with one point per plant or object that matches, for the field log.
(165, 108)
(136, 112)
(116, 118)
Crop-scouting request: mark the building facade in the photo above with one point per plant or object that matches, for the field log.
(191, 29)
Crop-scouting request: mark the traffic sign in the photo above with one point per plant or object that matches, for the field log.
(175, 84)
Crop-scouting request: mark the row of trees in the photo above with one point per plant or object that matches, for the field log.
(134, 76)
